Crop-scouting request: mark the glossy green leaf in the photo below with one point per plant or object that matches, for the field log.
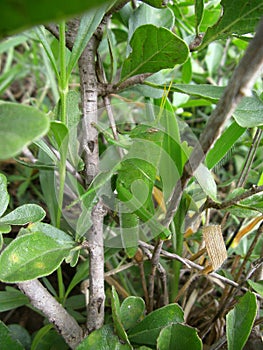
(239, 321)
(199, 12)
(7, 342)
(15, 132)
(23, 215)
(238, 17)
(12, 298)
(4, 196)
(224, 144)
(148, 330)
(28, 13)
(153, 49)
(31, 256)
(88, 24)
(131, 311)
(257, 286)
(115, 306)
(102, 339)
(206, 181)
(179, 337)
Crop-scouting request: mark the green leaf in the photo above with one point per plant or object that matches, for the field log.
(145, 14)
(148, 330)
(238, 17)
(31, 256)
(248, 113)
(206, 181)
(23, 215)
(224, 144)
(156, 3)
(38, 13)
(59, 131)
(213, 58)
(239, 321)
(5, 229)
(4, 196)
(131, 310)
(210, 92)
(46, 337)
(153, 49)
(20, 126)
(11, 42)
(115, 306)
(199, 12)
(48, 184)
(7, 342)
(61, 237)
(88, 24)
(179, 337)
(41, 34)
(12, 298)
(257, 286)
(102, 339)
(129, 230)
(20, 334)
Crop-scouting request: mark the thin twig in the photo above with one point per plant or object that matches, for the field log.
(154, 262)
(249, 159)
(191, 265)
(249, 252)
(108, 89)
(226, 204)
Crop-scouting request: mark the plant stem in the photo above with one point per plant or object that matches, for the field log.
(63, 82)
(61, 287)
(89, 96)
(54, 311)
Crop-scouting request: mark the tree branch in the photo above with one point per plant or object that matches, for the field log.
(89, 100)
(240, 85)
(42, 300)
(107, 89)
(226, 204)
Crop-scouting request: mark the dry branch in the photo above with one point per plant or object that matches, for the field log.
(41, 299)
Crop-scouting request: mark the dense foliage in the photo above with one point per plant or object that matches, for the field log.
(122, 188)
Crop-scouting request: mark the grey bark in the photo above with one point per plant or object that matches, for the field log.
(89, 97)
(42, 300)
